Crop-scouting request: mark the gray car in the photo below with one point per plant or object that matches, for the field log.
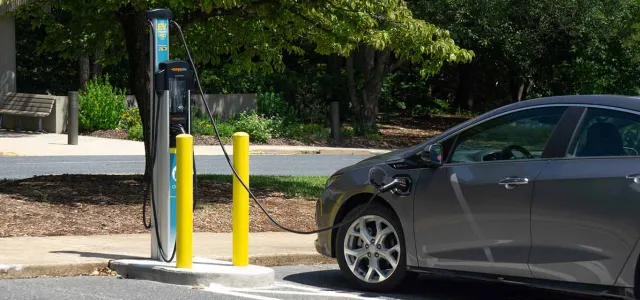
(543, 192)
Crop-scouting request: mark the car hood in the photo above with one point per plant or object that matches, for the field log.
(382, 158)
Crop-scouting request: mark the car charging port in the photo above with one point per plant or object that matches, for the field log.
(403, 186)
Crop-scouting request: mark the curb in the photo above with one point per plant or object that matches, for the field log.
(9, 154)
(52, 270)
(355, 151)
(93, 268)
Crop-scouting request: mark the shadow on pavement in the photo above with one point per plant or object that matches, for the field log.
(99, 255)
(5, 133)
(434, 288)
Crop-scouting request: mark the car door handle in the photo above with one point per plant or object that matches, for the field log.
(635, 177)
(512, 182)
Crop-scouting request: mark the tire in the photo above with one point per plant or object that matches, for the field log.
(369, 253)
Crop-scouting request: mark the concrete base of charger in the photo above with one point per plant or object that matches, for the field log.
(204, 272)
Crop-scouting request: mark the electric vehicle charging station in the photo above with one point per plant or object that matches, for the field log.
(171, 115)
(170, 107)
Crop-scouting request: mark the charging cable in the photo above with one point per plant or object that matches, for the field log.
(382, 189)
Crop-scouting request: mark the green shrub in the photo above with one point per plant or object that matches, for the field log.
(259, 128)
(307, 132)
(130, 118)
(101, 106)
(419, 110)
(271, 104)
(202, 125)
(347, 132)
(225, 129)
(135, 132)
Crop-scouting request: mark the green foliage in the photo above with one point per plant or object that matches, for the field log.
(130, 118)
(100, 105)
(135, 132)
(271, 104)
(307, 132)
(259, 128)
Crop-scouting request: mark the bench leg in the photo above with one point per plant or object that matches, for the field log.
(1, 121)
(19, 124)
(39, 124)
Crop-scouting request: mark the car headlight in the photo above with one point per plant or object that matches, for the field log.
(331, 180)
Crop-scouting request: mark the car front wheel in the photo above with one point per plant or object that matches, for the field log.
(371, 250)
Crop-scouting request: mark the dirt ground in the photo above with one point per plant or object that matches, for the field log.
(399, 132)
(112, 204)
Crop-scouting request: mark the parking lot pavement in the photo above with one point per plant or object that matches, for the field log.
(326, 282)
(294, 282)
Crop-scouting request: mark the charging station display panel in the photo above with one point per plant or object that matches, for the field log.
(178, 94)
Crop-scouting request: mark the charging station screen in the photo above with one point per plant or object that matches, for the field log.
(178, 94)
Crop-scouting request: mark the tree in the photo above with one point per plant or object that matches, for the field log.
(250, 36)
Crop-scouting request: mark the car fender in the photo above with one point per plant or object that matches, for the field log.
(627, 276)
(402, 205)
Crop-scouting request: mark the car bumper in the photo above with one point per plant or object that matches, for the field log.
(323, 247)
(323, 220)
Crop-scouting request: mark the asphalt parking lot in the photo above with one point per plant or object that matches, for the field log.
(293, 282)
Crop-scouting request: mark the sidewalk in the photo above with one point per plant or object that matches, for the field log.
(23, 257)
(26, 144)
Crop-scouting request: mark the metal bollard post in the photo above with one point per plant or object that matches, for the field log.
(72, 120)
(335, 120)
(240, 207)
(184, 199)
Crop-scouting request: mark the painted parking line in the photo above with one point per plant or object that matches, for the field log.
(283, 290)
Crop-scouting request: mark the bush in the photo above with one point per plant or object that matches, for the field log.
(259, 128)
(101, 106)
(203, 126)
(271, 104)
(135, 132)
(307, 132)
(130, 118)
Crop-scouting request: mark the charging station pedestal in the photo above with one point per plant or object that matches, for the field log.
(170, 115)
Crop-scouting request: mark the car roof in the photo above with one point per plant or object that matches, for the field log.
(619, 101)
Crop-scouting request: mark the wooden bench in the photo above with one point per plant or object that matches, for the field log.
(27, 105)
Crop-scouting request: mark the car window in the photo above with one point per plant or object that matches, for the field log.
(519, 135)
(606, 132)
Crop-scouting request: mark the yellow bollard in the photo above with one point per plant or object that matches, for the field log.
(240, 209)
(184, 199)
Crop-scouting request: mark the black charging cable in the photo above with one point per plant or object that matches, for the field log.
(382, 189)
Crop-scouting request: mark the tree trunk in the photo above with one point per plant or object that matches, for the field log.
(96, 68)
(134, 24)
(84, 71)
(376, 63)
(351, 86)
(463, 92)
(517, 87)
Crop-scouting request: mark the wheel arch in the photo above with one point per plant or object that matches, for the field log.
(351, 203)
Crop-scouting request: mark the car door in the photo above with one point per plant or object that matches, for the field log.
(586, 205)
(473, 212)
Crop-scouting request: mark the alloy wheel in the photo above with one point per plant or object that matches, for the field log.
(372, 249)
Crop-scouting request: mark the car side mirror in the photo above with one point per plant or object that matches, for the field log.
(432, 155)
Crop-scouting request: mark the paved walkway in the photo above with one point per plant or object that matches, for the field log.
(37, 256)
(27, 144)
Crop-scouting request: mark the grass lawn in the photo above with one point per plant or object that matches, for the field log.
(289, 186)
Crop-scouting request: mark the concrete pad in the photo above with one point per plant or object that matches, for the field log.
(204, 272)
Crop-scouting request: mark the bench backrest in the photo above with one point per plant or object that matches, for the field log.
(34, 104)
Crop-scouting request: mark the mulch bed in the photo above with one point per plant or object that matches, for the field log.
(400, 132)
(112, 204)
